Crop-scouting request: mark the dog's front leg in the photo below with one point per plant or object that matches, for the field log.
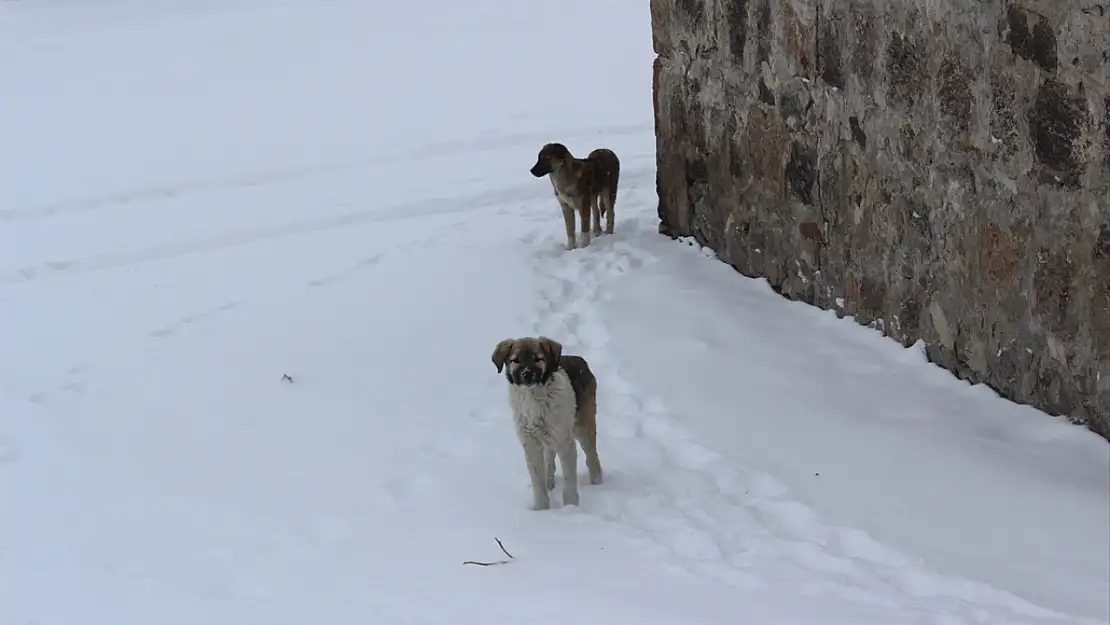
(568, 459)
(533, 457)
(584, 217)
(568, 221)
(549, 464)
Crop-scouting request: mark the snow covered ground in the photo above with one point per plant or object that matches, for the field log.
(199, 198)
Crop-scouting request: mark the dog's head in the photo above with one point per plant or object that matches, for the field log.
(551, 157)
(527, 361)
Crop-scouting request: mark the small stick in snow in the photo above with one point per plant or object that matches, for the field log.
(286, 378)
(503, 550)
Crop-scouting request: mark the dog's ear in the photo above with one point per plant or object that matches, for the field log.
(557, 151)
(501, 352)
(553, 350)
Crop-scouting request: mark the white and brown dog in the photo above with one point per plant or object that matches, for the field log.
(554, 402)
(587, 186)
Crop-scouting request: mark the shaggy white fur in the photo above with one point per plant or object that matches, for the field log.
(544, 419)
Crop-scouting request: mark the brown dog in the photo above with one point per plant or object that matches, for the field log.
(587, 186)
(553, 399)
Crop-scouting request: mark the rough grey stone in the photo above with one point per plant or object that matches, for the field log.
(942, 167)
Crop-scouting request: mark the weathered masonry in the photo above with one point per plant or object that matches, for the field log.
(937, 168)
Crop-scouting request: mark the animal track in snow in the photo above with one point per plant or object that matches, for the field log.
(188, 320)
(9, 451)
(269, 177)
(361, 265)
(73, 383)
(258, 233)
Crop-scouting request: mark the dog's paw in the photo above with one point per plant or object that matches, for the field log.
(570, 498)
(596, 479)
(551, 483)
(540, 505)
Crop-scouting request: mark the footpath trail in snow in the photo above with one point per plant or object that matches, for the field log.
(712, 516)
(251, 298)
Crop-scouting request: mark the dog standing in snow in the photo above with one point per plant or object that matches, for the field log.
(553, 399)
(587, 186)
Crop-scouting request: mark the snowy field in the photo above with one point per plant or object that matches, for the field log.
(200, 198)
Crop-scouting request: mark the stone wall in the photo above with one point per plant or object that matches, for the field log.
(939, 169)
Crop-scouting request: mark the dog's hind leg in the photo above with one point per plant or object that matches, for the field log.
(586, 433)
(610, 193)
(587, 437)
(609, 200)
(595, 215)
(568, 221)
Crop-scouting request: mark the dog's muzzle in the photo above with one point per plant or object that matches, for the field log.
(539, 170)
(528, 377)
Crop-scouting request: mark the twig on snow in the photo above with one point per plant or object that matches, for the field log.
(503, 550)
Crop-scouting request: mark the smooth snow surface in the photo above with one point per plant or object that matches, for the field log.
(201, 197)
